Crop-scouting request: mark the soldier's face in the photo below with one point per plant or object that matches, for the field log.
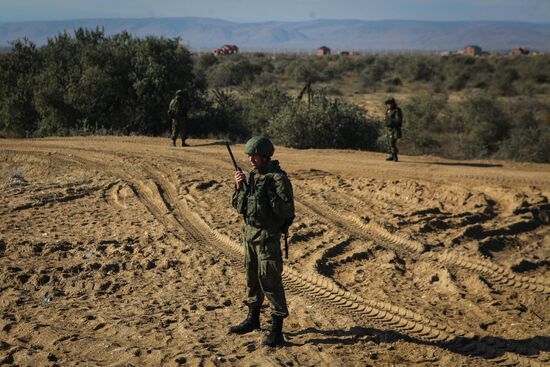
(256, 160)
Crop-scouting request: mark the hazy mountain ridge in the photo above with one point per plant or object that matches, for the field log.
(204, 33)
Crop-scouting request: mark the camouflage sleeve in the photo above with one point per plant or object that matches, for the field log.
(281, 198)
(238, 200)
(171, 108)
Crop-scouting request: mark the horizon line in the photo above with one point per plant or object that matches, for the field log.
(273, 21)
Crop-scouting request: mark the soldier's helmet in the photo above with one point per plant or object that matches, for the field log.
(259, 145)
(391, 101)
(179, 92)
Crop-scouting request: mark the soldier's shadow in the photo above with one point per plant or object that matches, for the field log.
(463, 164)
(488, 347)
(221, 142)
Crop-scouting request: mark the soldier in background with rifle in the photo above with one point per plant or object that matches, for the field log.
(266, 202)
(178, 113)
(394, 121)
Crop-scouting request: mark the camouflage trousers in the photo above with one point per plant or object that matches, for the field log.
(264, 266)
(179, 128)
(392, 135)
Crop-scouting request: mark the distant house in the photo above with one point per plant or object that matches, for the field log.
(322, 51)
(230, 49)
(471, 50)
(225, 50)
(519, 51)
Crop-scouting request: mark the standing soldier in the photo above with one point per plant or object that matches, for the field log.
(394, 120)
(266, 202)
(178, 113)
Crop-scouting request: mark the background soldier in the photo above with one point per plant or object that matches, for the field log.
(267, 204)
(394, 120)
(178, 112)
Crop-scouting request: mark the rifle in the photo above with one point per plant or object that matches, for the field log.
(284, 229)
(237, 168)
(286, 244)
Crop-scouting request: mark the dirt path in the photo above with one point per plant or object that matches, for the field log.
(119, 251)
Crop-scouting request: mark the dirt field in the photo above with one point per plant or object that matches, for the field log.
(122, 251)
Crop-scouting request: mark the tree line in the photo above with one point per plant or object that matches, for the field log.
(90, 83)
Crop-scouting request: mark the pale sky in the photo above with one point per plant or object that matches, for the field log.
(279, 10)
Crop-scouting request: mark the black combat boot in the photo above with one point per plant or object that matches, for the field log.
(275, 336)
(251, 323)
(173, 143)
(395, 159)
(184, 144)
(390, 158)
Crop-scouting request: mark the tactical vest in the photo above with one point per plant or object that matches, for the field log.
(258, 211)
(394, 117)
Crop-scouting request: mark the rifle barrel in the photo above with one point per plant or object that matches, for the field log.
(232, 157)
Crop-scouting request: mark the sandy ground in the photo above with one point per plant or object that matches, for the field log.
(122, 251)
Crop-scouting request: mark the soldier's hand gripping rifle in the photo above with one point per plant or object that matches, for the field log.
(237, 168)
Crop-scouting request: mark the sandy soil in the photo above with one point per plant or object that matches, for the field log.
(122, 251)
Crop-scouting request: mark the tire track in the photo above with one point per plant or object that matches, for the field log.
(42, 200)
(492, 271)
(374, 231)
(314, 285)
(426, 172)
(391, 316)
(325, 291)
(161, 198)
(113, 196)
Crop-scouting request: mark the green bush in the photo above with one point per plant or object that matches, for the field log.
(260, 106)
(479, 124)
(90, 82)
(423, 120)
(322, 123)
(232, 73)
(529, 135)
(18, 114)
(222, 115)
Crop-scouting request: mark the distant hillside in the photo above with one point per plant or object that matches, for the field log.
(204, 33)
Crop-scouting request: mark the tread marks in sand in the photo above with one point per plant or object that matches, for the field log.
(371, 229)
(323, 290)
(159, 195)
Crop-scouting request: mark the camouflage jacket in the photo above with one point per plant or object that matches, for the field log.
(394, 118)
(176, 108)
(267, 203)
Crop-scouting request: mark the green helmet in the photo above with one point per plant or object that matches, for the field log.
(259, 145)
(391, 101)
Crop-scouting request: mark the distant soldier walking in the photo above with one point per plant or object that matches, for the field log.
(266, 202)
(178, 113)
(394, 121)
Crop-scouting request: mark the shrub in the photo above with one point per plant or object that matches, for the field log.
(90, 82)
(479, 124)
(529, 135)
(324, 123)
(222, 115)
(260, 106)
(423, 120)
(18, 68)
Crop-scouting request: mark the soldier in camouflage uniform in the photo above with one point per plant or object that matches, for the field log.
(394, 120)
(266, 202)
(178, 113)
